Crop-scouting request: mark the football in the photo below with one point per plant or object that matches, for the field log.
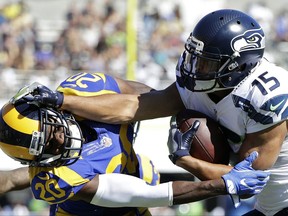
(209, 143)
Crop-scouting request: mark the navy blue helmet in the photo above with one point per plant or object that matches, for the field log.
(221, 51)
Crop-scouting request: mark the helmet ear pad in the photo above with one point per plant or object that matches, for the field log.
(232, 78)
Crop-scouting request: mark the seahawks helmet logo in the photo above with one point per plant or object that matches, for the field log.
(249, 40)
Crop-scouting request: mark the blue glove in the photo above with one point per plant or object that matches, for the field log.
(179, 144)
(39, 95)
(47, 97)
(243, 179)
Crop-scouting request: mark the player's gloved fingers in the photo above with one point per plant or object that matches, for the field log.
(194, 128)
(255, 190)
(262, 181)
(267, 178)
(253, 184)
(252, 157)
(246, 164)
(37, 91)
(42, 88)
(190, 133)
(176, 137)
(60, 99)
(49, 98)
(196, 125)
(179, 144)
(257, 174)
(37, 98)
(262, 175)
(171, 143)
(173, 123)
(259, 189)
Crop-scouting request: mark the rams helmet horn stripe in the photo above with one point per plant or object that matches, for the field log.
(11, 150)
(24, 124)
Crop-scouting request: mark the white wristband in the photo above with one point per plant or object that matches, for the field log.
(119, 190)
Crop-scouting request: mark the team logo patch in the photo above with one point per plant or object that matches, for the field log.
(249, 40)
(105, 142)
(102, 143)
(276, 104)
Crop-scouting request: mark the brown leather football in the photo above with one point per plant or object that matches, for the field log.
(209, 143)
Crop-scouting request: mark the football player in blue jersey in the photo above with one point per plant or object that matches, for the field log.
(85, 167)
(108, 148)
(224, 74)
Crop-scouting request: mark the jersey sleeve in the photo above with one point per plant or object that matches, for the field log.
(266, 100)
(267, 113)
(89, 84)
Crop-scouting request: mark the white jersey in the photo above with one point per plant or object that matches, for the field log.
(257, 103)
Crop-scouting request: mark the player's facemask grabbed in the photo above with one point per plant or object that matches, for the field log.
(221, 51)
(26, 130)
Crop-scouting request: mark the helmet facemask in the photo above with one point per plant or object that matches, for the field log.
(203, 71)
(71, 147)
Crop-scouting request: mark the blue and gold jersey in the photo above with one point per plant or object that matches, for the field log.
(108, 149)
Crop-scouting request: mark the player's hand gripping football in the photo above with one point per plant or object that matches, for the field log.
(179, 144)
(39, 94)
(243, 179)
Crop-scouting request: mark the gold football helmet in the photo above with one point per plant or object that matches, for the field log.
(26, 129)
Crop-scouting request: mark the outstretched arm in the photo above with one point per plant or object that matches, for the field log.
(132, 87)
(135, 103)
(117, 190)
(123, 108)
(16, 179)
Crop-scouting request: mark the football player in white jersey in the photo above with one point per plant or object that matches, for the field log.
(84, 167)
(222, 73)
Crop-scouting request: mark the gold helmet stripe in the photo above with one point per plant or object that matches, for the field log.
(21, 152)
(24, 124)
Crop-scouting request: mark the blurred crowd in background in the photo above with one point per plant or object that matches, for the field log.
(96, 41)
(88, 41)
(93, 41)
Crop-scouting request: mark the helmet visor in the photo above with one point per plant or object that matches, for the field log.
(204, 68)
(202, 64)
